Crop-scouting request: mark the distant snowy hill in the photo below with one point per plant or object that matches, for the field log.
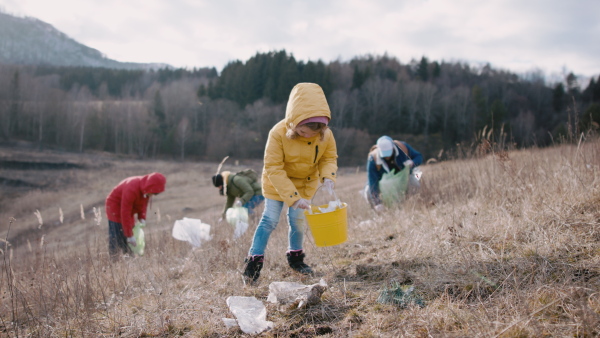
(29, 41)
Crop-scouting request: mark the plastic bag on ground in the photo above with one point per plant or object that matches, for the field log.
(237, 217)
(191, 230)
(400, 295)
(251, 314)
(140, 240)
(393, 186)
(296, 295)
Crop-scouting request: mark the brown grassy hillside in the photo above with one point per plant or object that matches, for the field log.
(502, 245)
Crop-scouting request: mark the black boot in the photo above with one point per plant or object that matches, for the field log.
(296, 262)
(253, 266)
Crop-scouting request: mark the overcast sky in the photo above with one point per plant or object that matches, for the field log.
(554, 36)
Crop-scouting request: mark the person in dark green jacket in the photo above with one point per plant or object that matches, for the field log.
(243, 185)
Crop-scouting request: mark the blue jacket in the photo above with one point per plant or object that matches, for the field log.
(377, 167)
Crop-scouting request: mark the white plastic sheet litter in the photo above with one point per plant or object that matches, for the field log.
(191, 230)
(296, 294)
(251, 314)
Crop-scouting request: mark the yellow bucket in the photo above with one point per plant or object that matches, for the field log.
(329, 228)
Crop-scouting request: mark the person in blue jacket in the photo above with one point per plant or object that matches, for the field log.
(386, 155)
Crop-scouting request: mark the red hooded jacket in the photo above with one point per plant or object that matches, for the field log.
(131, 197)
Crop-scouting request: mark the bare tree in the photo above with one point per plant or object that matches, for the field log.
(398, 103)
(413, 90)
(16, 104)
(462, 97)
(83, 105)
(446, 103)
(379, 95)
(183, 134)
(220, 143)
(262, 116)
(146, 126)
(524, 126)
(354, 108)
(11, 105)
(339, 105)
(428, 91)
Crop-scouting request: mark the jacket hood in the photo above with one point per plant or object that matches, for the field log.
(306, 100)
(153, 183)
(225, 175)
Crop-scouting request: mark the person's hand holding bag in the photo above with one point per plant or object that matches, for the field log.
(302, 204)
(131, 241)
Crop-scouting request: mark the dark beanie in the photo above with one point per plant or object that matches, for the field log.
(217, 180)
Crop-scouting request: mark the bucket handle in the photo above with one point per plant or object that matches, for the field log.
(319, 188)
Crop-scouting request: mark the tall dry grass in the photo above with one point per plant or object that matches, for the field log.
(500, 245)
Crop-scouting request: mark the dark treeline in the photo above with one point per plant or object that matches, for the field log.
(200, 114)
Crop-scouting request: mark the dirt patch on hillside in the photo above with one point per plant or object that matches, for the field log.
(37, 165)
(15, 183)
(24, 170)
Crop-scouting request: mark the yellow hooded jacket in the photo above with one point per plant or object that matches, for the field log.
(293, 168)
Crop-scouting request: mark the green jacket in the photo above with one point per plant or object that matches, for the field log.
(242, 187)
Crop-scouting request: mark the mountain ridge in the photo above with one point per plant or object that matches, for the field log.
(30, 41)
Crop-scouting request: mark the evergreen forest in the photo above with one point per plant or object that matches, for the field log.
(443, 109)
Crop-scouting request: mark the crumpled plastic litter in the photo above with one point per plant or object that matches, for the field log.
(191, 230)
(296, 295)
(250, 314)
(332, 206)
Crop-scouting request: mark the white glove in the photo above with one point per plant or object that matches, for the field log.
(237, 204)
(302, 204)
(328, 184)
(379, 208)
(409, 163)
(131, 241)
(142, 222)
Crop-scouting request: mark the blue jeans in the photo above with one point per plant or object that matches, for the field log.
(268, 223)
(117, 242)
(255, 201)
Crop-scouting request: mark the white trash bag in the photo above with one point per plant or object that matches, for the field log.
(295, 294)
(240, 229)
(237, 217)
(251, 314)
(191, 230)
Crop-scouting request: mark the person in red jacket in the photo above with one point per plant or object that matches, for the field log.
(128, 198)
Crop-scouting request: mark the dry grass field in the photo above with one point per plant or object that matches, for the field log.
(500, 245)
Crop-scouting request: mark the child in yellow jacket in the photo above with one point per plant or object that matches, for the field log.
(300, 155)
